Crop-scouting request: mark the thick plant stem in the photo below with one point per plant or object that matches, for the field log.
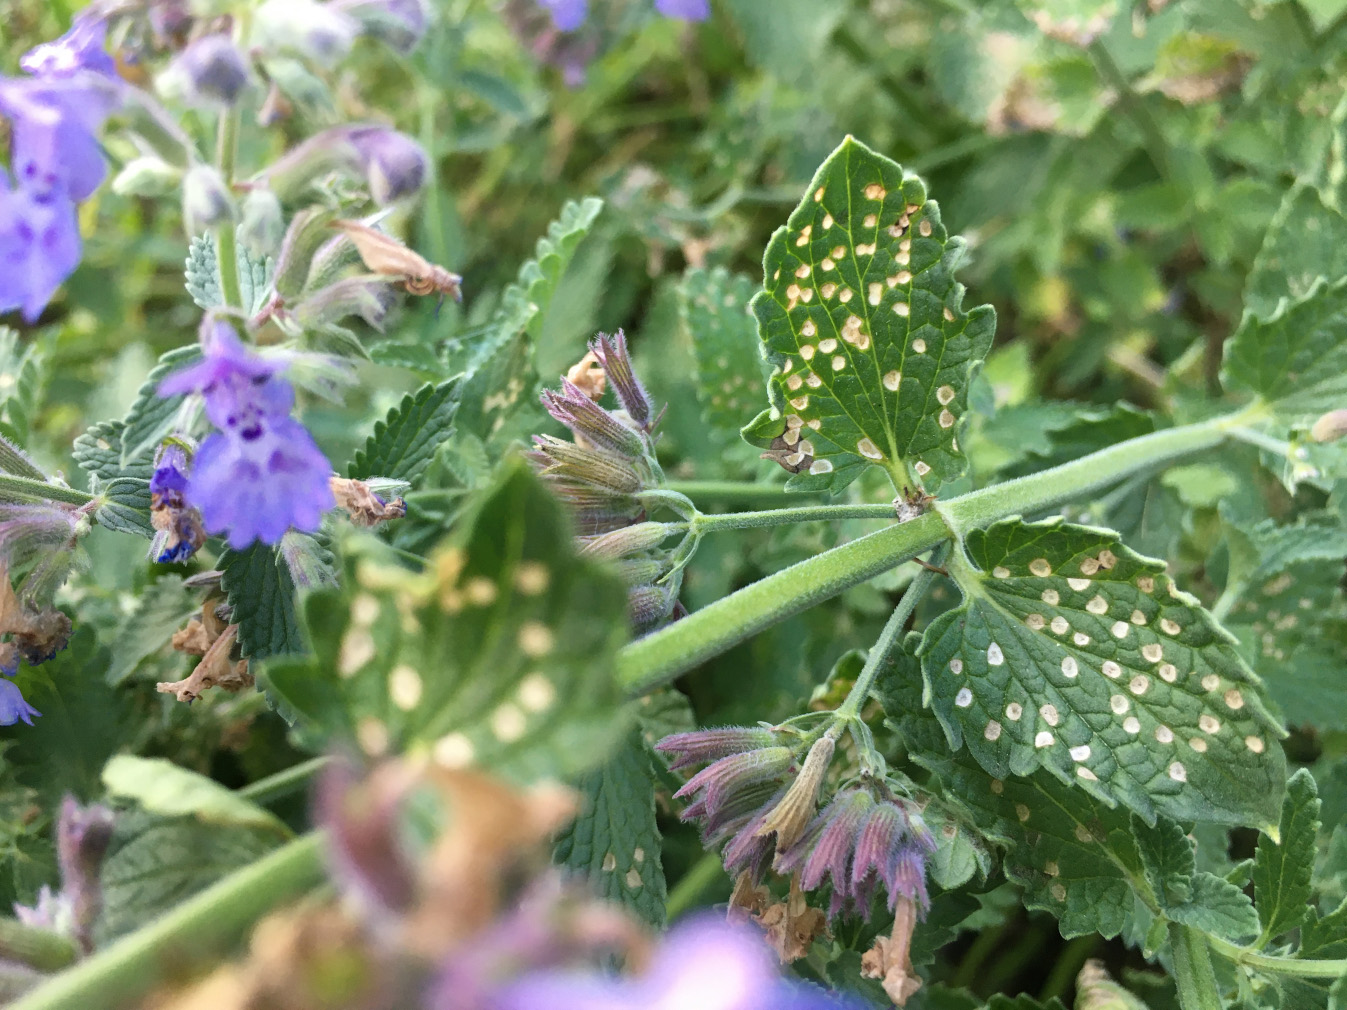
(1303, 967)
(736, 492)
(226, 243)
(284, 782)
(121, 973)
(657, 659)
(24, 489)
(780, 517)
(1193, 973)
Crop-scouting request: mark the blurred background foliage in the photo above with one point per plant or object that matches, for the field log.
(1114, 167)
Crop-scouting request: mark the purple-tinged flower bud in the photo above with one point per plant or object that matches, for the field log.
(315, 31)
(149, 175)
(39, 247)
(790, 817)
(400, 23)
(83, 835)
(597, 468)
(650, 606)
(81, 48)
(642, 571)
(589, 422)
(704, 745)
(370, 298)
(12, 705)
(628, 540)
(210, 73)
(684, 10)
(612, 353)
(395, 165)
(718, 783)
(827, 848)
(205, 199)
(179, 533)
(748, 853)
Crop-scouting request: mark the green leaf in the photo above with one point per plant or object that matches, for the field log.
(1326, 937)
(151, 416)
(713, 305)
(498, 403)
(203, 273)
(161, 787)
(1023, 1001)
(99, 453)
(125, 506)
(539, 277)
(1306, 241)
(1073, 653)
(1296, 359)
(155, 863)
(403, 444)
(261, 593)
(614, 842)
(1167, 856)
(501, 653)
(1217, 907)
(162, 609)
(21, 378)
(864, 322)
(1282, 869)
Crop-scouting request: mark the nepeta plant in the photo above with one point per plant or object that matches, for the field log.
(477, 626)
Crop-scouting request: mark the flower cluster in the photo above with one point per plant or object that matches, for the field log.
(602, 474)
(568, 15)
(178, 533)
(260, 474)
(55, 114)
(760, 802)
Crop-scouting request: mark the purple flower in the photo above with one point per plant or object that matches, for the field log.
(684, 10)
(400, 23)
(179, 533)
(81, 48)
(12, 706)
(394, 164)
(261, 474)
(702, 963)
(55, 124)
(567, 15)
(39, 248)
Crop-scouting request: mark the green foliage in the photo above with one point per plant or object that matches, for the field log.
(500, 653)
(151, 416)
(161, 787)
(865, 324)
(1282, 869)
(713, 305)
(615, 842)
(21, 380)
(402, 445)
(261, 594)
(1075, 654)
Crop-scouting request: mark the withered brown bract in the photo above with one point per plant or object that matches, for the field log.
(385, 255)
(789, 449)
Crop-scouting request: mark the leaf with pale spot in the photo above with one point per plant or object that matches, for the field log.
(615, 842)
(730, 382)
(1282, 870)
(1073, 653)
(864, 321)
(500, 653)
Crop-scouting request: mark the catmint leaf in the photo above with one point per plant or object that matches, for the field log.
(1072, 653)
(255, 275)
(202, 273)
(155, 863)
(1306, 241)
(539, 277)
(713, 305)
(500, 653)
(498, 403)
(402, 444)
(1282, 869)
(151, 416)
(99, 453)
(1167, 856)
(865, 324)
(1217, 907)
(22, 373)
(1325, 937)
(126, 506)
(1296, 358)
(614, 843)
(261, 593)
(163, 608)
(162, 787)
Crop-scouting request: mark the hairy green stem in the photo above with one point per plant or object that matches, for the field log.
(1304, 967)
(703, 523)
(884, 645)
(735, 491)
(1193, 974)
(25, 489)
(226, 242)
(130, 967)
(284, 782)
(657, 659)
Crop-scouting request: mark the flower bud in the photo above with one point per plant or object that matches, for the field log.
(590, 422)
(392, 164)
(649, 606)
(210, 73)
(612, 352)
(595, 467)
(400, 23)
(629, 540)
(366, 297)
(789, 818)
(205, 200)
(262, 222)
(1330, 427)
(147, 175)
(316, 31)
(721, 781)
(703, 745)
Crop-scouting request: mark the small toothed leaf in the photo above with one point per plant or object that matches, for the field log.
(1073, 653)
(151, 416)
(1282, 869)
(1217, 907)
(1306, 241)
(866, 326)
(1167, 856)
(730, 383)
(99, 452)
(403, 443)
